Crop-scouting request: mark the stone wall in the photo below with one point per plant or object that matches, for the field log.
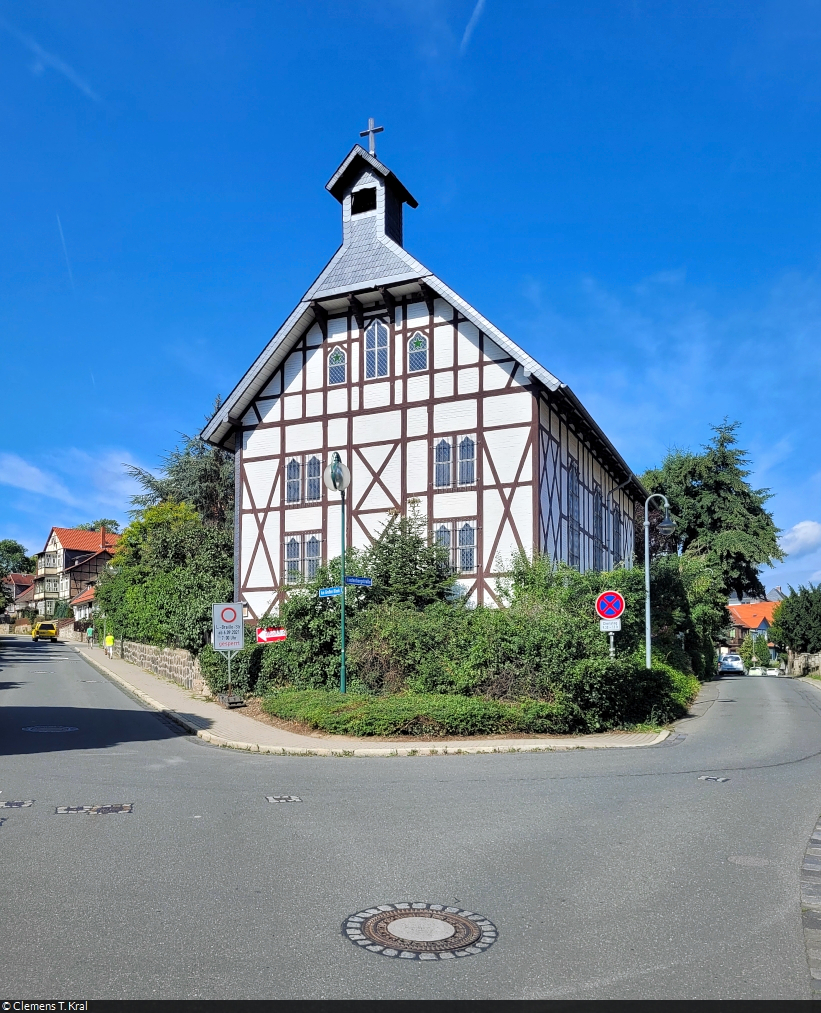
(169, 662)
(802, 664)
(69, 633)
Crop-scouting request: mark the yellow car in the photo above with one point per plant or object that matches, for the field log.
(44, 631)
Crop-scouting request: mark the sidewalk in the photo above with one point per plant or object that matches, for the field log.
(233, 729)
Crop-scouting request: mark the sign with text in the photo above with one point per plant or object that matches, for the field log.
(270, 634)
(610, 605)
(610, 625)
(229, 634)
(329, 592)
(359, 581)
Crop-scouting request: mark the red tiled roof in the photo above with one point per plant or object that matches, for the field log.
(87, 595)
(22, 579)
(27, 595)
(753, 614)
(86, 541)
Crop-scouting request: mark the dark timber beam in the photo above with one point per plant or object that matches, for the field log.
(428, 295)
(321, 316)
(358, 311)
(389, 301)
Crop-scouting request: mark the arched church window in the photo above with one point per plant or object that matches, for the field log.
(293, 492)
(617, 557)
(376, 350)
(313, 552)
(442, 477)
(467, 461)
(442, 535)
(292, 567)
(417, 353)
(337, 366)
(467, 548)
(313, 490)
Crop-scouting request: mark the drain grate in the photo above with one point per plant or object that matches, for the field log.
(95, 810)
(50, 728)
(17, 805)
(283, 798)
(420, 931)
(708, 777)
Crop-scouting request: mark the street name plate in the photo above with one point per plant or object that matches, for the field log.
(329, 592)
(359, 581)
(610, 625)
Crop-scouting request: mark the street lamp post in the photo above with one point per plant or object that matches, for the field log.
(337, 478)
(666, 527)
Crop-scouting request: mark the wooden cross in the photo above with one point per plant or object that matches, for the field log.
(369, 133)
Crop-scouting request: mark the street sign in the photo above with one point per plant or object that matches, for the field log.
(229, 634)
(270, 634)
(610, 625)
(359, 581)
(609, 605)
(329, 592)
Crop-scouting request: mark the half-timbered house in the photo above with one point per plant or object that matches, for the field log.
(424, 399)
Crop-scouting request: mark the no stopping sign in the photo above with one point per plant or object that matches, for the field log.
(610, 605)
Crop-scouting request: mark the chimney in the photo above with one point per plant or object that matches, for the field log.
(102, 537)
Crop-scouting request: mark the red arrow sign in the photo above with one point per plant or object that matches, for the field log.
(268, 634)
(609, 605)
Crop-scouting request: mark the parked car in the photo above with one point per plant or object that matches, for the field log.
(44, 631)
(731, 663)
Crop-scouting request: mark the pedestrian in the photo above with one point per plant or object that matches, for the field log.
(89, 634)
(109, 644)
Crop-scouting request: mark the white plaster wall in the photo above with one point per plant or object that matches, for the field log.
(260, 442)
(303, 519)
(456, 415)
(307, 436)
(261, 476)
(504, 409)
(417, 469)
(454, 504)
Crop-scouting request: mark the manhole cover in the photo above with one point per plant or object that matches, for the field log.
(95, 810)
(16, 805)
(50, 728)
(283, 798)
(718, 780)
(416, 931)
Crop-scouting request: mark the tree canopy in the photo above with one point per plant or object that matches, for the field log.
(104, 522)
(718, 513)
(797, 620)
(14, 558)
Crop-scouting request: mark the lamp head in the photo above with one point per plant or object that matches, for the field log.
(667, 525)
(337, 477)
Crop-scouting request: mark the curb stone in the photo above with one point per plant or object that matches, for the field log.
(418, 750)
(811, 907)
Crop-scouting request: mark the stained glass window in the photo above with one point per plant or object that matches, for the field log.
(376, 350)
(313, 554)
(292, 561)
(443, 536)
(313, 485)
(337, 366)
(417, 353)
(598, 528)
(293, 492)
(467, 461)
(574, 555)
(467, 548)
(442, 479)
(617, 557)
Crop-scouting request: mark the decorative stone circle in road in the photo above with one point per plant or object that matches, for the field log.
(283, 798)
(95, 810)
(417, 931)
(50, 728)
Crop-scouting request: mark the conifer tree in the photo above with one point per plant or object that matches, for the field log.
(718, 513)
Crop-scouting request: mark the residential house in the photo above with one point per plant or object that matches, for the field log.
(751, 617)
(425, 400)
(70, 561)
(15, 584)
(83, 604)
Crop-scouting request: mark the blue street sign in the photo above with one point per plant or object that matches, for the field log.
(329, 592)
(359, 581)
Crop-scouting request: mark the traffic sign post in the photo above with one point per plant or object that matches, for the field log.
(359, 581)
(609, 609)
(228, 636)
(270, 634)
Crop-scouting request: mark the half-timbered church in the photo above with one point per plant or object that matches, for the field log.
(424, 399)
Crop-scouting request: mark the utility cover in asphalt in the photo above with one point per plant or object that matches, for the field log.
(419, 931)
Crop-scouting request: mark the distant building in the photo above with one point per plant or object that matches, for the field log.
(16, 584)
(755, 618)
(83, 604)
(70, 561)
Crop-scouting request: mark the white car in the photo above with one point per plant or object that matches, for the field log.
(731, 663)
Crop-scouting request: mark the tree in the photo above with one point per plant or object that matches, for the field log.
(14, 558)
(797, 621)
(747, 650)
(104, 522)
(718, 513)
(762, 651)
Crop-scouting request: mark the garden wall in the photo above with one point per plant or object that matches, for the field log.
(802, 664)
(169, 662)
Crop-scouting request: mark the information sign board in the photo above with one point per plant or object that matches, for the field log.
(270, 634)
(229, 634)
(329, 592)
(610, 625)
(359, 581)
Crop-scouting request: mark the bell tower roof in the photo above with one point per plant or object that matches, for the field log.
(359, 162)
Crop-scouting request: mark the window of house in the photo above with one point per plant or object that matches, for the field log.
(337, 366)
(459, 538)
(293, 481)
(313, 484)
(417, 353)
(467, 461)
(617, 557)
(376, 350)
(574, 555)
(598, 528)
(303, 557)
(443, 453)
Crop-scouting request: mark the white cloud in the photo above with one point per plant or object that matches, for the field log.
(44, 59)
(19, 474)
(474, 21)
(802, 539)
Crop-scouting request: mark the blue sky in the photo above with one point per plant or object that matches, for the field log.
(630, 190)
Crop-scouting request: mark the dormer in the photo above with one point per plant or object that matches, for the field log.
(371, 198)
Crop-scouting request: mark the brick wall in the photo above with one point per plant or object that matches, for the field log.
(169, 662)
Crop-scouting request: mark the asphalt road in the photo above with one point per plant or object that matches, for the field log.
(610, 874)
